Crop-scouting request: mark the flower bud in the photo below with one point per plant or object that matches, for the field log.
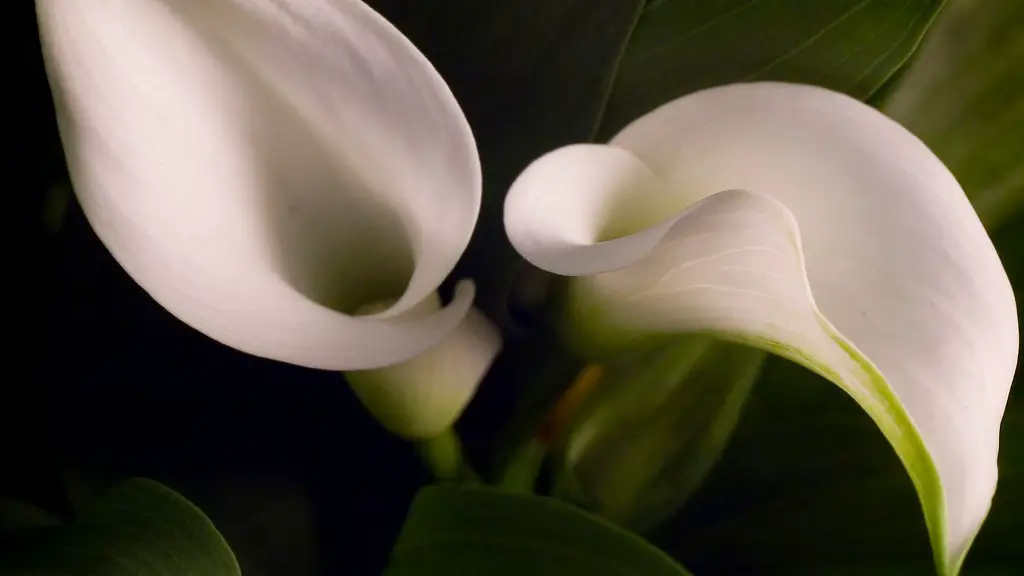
(421, 397)
(652, 427)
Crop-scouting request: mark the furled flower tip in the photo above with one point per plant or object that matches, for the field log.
(291, 178)
(805, 223)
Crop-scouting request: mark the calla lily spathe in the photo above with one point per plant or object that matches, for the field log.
(805, 223)
(269, 171)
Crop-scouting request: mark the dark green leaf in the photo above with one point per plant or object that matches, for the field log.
(138, 527)
(270, 522)
(23, 524)
(17, 515)
(680, 46)
(474, 531)
(964, 96)
(807, 483)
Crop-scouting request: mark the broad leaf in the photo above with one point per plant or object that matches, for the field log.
(805, 466)
(476, 531)
(20, 515)
(964, 96)
(138, 527)
(680, 46)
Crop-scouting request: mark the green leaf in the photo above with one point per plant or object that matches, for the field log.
(23, 524)
(680, 46)
(805, 465)
(270, 520)
(963, 94)
(138, 527)
(20, 515)
(475, 531)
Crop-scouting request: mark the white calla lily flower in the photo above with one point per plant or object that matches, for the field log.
(291, 178)
(803, 222)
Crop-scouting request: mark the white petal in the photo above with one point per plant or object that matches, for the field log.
(898, 295)
(265, 167)
(422, 397)
(599, 189)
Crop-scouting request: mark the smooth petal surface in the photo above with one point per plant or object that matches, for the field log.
(806, 223)
(264, 168)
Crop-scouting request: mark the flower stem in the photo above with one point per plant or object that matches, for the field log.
(443, 455)
(523, 467)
